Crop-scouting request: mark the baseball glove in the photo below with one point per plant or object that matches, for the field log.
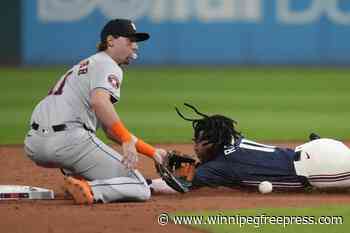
(181, 165)
(178, 170)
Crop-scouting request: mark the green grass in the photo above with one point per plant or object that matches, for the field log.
(269, 103)
(341, 221)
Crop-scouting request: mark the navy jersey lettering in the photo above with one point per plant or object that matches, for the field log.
(247, 164)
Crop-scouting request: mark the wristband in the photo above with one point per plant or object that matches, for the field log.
(121, 131)
(144, 148)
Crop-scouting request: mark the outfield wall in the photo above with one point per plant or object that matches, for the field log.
(10, 27)
(193, 31)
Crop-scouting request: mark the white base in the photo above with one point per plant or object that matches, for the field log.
(15, 192)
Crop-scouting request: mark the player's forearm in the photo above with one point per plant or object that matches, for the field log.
(105, 112)
(111, 136)
(115, 129)
(104, 109)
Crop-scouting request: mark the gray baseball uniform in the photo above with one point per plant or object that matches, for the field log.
(63, 132)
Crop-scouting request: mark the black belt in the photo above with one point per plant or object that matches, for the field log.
(55, 128)
(58, 128)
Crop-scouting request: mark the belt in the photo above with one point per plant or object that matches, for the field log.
(58, 128)
(55, 128)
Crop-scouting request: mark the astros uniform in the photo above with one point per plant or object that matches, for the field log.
(322, 163)
(63, 127)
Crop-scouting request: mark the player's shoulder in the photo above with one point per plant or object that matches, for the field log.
(104, 62)
(211, 166)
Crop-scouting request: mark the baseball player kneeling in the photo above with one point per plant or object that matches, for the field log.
(228, 159)
(64, 123)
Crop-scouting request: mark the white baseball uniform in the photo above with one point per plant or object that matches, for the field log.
(63, 132)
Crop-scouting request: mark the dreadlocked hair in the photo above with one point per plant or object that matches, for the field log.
(216, 129)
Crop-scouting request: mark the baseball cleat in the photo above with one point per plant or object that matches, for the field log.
(79, 189)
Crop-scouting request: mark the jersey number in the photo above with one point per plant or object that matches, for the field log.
(251, 145)
(58, 89)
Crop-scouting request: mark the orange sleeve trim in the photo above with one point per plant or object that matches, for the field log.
(145, 148)
(121, 131)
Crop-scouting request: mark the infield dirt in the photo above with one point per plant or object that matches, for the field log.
(61, 215)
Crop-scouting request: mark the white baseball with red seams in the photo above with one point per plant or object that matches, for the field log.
(265, 187)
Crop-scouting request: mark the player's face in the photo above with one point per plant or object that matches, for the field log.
(123, 49)
(203, 149)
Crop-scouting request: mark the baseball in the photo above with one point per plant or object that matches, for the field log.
(265, 187)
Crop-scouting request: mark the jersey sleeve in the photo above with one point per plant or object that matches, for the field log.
(108, 78)
(214, 174)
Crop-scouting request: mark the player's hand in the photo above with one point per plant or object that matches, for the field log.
(160, 155)
(130, 154)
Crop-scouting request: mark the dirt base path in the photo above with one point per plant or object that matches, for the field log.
(61, 215)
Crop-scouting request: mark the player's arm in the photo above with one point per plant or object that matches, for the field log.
(104, 109)
(110, 135)
(214, 174)
(114, 128)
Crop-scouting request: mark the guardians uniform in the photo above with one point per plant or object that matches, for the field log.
(322, 163)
